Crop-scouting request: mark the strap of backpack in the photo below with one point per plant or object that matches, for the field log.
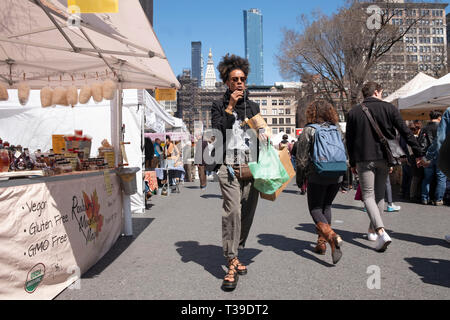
(374, 124)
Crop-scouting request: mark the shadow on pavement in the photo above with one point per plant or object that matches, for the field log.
(345, 207)
(122, 243)
(209, 196)
(431, 271)
(425, 241)
(211, 257)
(347, 236)
(300, 247)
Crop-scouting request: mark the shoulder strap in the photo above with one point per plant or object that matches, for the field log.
(373, 123)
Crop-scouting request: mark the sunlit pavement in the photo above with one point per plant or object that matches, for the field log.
(176, 253)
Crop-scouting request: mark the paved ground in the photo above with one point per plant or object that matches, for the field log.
(176, 253)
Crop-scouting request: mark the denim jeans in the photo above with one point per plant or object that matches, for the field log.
(441, 180)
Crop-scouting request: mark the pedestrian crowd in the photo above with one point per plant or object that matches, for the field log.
(376, 139)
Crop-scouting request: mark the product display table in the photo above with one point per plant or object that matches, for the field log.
(53, 229)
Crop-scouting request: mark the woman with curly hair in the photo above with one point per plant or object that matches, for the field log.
(240, 198)
(321, 190)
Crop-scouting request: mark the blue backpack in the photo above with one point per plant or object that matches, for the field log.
(328, 156)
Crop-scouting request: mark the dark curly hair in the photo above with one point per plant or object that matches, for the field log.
(320, 111)
(230, 63)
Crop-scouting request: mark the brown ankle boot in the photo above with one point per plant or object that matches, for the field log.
(321, 246)
(333, 239)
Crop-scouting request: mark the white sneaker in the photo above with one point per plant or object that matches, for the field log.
(372, 236)
(447, 238)
(382, 242)
(393, 208)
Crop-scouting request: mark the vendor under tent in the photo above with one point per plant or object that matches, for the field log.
(33, 126)
(433, 96)
(82, 216)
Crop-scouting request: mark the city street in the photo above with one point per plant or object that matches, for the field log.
(176, 253)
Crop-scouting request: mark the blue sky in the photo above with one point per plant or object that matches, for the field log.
(219, 25)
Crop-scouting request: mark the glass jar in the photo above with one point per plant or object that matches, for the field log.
(4, 160)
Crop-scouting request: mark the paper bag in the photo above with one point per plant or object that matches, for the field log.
(285, 159)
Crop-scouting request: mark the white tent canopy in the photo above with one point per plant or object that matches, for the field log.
(37, 44)
(33, 126)
(420, 81)
(435, 94)
(158, 119)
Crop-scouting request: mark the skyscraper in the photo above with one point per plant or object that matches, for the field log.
(253, 36)
(197, 61)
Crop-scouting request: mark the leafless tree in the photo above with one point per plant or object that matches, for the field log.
(342, 49)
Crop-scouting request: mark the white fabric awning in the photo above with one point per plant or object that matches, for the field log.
(36, 43)
(420, 81)
(434, 95)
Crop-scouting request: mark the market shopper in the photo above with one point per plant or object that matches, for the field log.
(433, 152)
(367, 158)
(240, 198)
(431, 172)
(321, 189)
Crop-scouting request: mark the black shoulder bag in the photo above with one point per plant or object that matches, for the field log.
(392, 149)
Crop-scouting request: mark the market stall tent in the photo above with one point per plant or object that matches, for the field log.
(33, 126)
(420, 81)
(433, 96)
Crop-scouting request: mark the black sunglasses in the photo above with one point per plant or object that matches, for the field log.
(237, 79)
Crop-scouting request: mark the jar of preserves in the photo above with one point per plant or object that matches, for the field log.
(4, 160)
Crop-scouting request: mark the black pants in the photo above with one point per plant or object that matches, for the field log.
(320, 198)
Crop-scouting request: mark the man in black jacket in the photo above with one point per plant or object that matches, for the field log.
(426, 137)
(366, 155)
(240, 197)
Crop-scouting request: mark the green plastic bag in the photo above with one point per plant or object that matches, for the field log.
(269, 173)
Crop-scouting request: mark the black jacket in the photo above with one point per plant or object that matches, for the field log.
(362, 140)
(222, 121)
(427, 135)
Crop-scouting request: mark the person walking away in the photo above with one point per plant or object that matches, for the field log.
(240, 197)
(391, 207)
(442, 133)
(292, 152)
(200, 147)
(149, 153)
(158, 154)
(407, 167)
(417, 172)
(322, 189)
(284, 143)
(426, 137)
(367, 158)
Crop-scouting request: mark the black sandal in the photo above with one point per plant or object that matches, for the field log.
(235, 261)
(232, 273)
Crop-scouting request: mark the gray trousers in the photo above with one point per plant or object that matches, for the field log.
(372, 178)
(240, 199)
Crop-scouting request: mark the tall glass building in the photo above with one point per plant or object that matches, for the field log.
(253, 35)
(197, 62)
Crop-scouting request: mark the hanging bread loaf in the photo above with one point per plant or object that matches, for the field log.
(46, 97)
(97, 92)
(23, 91)
(85, 94)
(3, 93)
(60, 96)
(109, 89)
(72, 96)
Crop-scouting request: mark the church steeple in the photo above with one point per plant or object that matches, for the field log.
(210, 74)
